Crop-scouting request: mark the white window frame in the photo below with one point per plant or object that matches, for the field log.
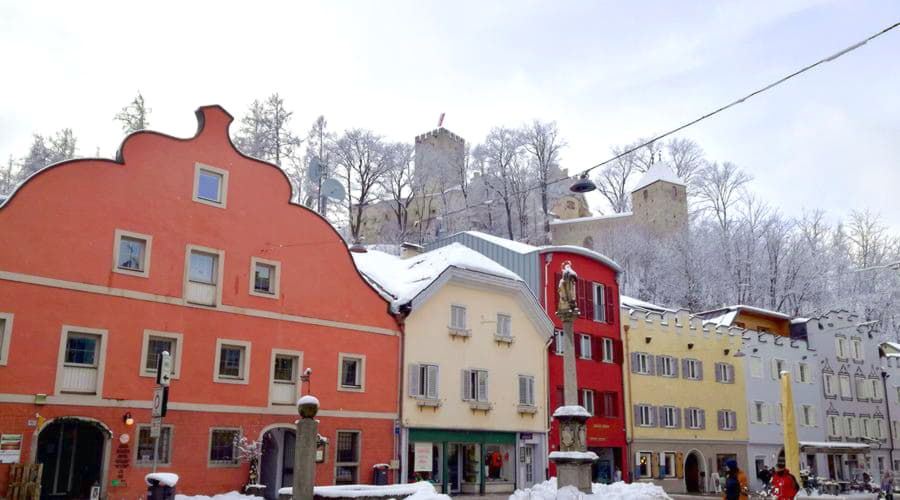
(643, 359)
(671, 361)
(178, 338)
(220, 273)
(587, 394)
(876, 393)
(849, 385)
(244, 377)
(725, 373)
(756, 367)
(835, 426)
(670, 471)
(361, 373)
(599, 312)
(5, 336)
(235, 462)
(856, 349)
(274, 282)
(760, 408)
(138, 462)
(504, 318)
(776, 371)
(645, 415)
(223, 185)
(560, 341)
(828, 382)
(804, 374)
(474, 374)
(529, 389)
(807, 416)
(608, 348)
(862, 388)
(665, 421)
(298, 369)
(148, 246)
(61, 359)
(841, 347)
(692, 418)
(729, 420)
(465, 317)
(582, 339)
(693, 366)
(851, 429)
(422, 381)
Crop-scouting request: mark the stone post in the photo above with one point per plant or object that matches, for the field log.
(305, 450)
(570, 376)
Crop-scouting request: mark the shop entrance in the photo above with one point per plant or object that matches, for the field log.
(526, 463)
(276, 466)
(692, 473)
(72, 451)
(463, 467)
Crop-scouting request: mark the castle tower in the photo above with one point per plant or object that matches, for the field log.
(439, 156)
(659, 201)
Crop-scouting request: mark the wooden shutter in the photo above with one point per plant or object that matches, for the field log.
(433, 380)
(523, 390)
(618, 355)
(483, 386)
(654, 416)
(654, 464)
(720, 419)
(634, 362)
(718, 372)
(581, 397)
(677, 418)
(699, 370)
(675, 367)
(577, 343)
(597, 345)
(702, 419)
(466, 385)
(679, 465)
(609, 303)
(684, 367)
(530, 384)
(730, 370)
(580, 286)
(413, 379)
(589, 300)
(637, 413)
(650, 364)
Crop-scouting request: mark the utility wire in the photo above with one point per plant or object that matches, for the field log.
(585, 172)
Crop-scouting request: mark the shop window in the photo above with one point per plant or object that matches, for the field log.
(421, 453)
(668, 463)
(222, 451)
(145, 446)
(346, 459)
(644, 458)
(500, 461)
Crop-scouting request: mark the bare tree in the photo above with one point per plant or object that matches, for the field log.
(720, 188)
(541, 140)
(265, 132)
(612, 181)
(396, 184)
(8, 177)
(869, 238)
(134, 116)
(361, 157)
(47, 151)
(687, 159)
(503, 151)
(319, 144)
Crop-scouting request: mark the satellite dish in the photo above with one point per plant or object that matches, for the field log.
(333, 189)
(314, 171)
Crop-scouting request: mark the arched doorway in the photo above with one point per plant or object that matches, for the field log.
(692, 473)
(74, 453)
(276, 466)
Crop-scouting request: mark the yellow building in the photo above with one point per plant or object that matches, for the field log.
(474, 400)
(685, 389)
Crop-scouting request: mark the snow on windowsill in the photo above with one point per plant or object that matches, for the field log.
(571, 411)
(164, 478)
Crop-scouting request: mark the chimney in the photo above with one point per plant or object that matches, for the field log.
(408, 250)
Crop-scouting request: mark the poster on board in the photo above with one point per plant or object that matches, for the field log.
(423, 458)
(10, 448)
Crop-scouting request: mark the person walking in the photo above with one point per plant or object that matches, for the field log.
(764, 475)
(736, 487)
(784, 484)
(887, 484)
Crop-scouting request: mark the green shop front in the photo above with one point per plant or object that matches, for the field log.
(475, 462)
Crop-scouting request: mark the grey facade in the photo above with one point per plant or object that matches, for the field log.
(853, 397)
(766, 356)
(890, 366)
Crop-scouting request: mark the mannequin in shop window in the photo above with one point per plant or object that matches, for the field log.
(495, 464)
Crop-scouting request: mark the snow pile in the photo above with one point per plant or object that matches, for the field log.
(308, 400)
(164, 478)
(423, 490)
(573, 455)
(571, 411)
(401, 280)
(616, 491)
(231, 495)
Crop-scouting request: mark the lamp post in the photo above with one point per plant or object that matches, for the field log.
(573, 461)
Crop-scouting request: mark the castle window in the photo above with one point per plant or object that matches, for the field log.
(645, 194)
(674, 193)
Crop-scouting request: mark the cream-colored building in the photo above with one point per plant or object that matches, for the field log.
(474, 399)
(686, 391)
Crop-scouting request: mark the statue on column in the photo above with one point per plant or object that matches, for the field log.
(566, 289)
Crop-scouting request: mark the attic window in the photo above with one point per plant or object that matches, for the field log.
(210, 185)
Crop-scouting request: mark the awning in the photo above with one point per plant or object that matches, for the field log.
(833, 447)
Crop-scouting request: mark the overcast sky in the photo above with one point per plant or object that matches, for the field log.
(607, 72)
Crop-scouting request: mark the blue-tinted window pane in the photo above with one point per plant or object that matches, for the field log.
(81, 349)
(202, 268)
(209, 186)
(230, 362)
(131, 254)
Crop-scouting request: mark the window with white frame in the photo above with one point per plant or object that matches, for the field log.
(232, 357)
(882, 428)
(644, 461)
(724, 373)
(352, 372)
(759, 413)
(856, 345)
(587, 400)
(841, 347)
(693, 369)
(132, 253)
(145, 447)
(778, 366)
(756, 366)
(203, 273)
(526, 390)
(475, 385)
(669, 416)
(667, 366)
(695, 418)
(210, 185)
(457, 317)
(264, 277)
(808, 416)
(585, 346)
(828, 384)
(727, 420)
(346, 457)
(844, 381)
(6, 322)
(423, 380)
(803, 373)
(862, 388)
(559, 342)
(609, 355)
(222, 451)
(668, 463)
(642, 363)
(155, 343)
(82, 355)
(876, 391)
(599, 303)
(646, 415)
(504, 326)
(850, 427)
(834, 426)
(285, 375)
(865, 428)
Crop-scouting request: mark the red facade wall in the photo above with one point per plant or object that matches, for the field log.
(593, 374)
(56, 269)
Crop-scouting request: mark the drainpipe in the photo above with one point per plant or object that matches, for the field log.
(627, 473)
(398, 441)
(890, 425)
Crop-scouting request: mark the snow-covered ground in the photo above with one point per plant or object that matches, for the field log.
(616, 491)
(232, 495)
(423, 490)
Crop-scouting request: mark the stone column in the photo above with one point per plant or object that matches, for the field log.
(570, 376)
(305, 450)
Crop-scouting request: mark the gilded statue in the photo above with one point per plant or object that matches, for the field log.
(566, 289)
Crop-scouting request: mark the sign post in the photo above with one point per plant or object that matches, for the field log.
(160, 400)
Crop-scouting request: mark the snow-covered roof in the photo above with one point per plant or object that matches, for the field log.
(400, 280)
(725, 316)
(837, 445)
(891, 349)
(633, 303)
(515, 246)
(591, 218)
(659, 171)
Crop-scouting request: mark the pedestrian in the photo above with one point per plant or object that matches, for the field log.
(618, 474)
(887, 484)
(736, 487)
(716, 482)
(764, 475)
(784, 484)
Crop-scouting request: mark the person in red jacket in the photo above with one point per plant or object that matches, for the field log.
(784, 484)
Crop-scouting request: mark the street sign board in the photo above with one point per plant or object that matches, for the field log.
(155, 427)
(160, 401)
(164, 368)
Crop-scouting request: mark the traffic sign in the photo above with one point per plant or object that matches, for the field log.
(160, 401)
(155, 427)
(164, 368)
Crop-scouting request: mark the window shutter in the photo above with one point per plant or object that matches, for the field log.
(530, 384)
(523, 390)
(703, 419)
(684, 368)
(637, 414)
(650, 364)
(699, 370)
(730, 370)
(654, 464)
(556, 287)
(432, 382)
(577, 345)
(483, 386)
(634, 362)
(598, 349)
(720, 417)
(618, 356)
(609, 304)
(413, 379)
(677, 418)
(733, 419)
(581, 397)
(675, 367)
(718, 372)
(466, 385)
(589, 300)
(812, 416)
(654, 416)
(659, 365)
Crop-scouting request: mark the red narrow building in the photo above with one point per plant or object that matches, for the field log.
(190, 247)
(598, 342)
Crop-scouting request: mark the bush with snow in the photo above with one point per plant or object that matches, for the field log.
(616, 491)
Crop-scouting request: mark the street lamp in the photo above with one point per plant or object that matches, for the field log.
(583, 185)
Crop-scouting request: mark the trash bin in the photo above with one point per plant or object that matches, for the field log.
(380, 471)
(158, 491)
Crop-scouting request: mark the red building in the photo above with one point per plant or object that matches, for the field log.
(188, 246)
(598, 341)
